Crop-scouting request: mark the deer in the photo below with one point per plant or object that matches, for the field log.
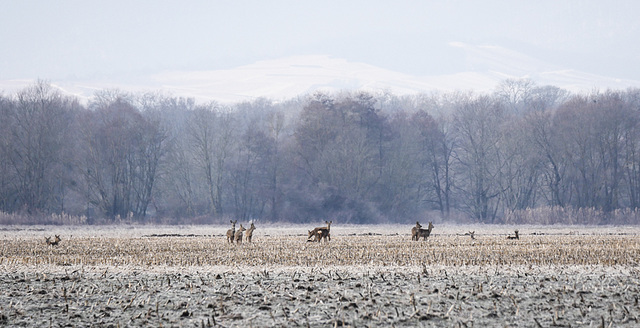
(231, 232)
(318, 234)
(472, 234)
(424, 233)
(313, 233)
(249, 232)
(517, 236)
(321, 232)
(238, 236)
(328, 233)
(53, 243)
(414, 231)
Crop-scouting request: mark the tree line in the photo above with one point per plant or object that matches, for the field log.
(522, 153)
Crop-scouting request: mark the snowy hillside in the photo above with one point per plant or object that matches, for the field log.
(483, 69)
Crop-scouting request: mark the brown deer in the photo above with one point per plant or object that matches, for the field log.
(321, 232)
(414, 231)
(231, 232)
(249, 232)
(328, 233)
(517, 236)
(313, 233)
(424, 233)
(54, 242)
(239, 234)
(318, 234)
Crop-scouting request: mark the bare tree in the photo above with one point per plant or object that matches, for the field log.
(122, 153)
(211, 131)
(521, 165)
(403, 188)
(178, 185)
(8, 179)
(275, 127)
(257, 176)
(38, 126)
(341, 148)
(516, 93)
(478, 126)
(595, 130)
(248, 175)
(631, 137)
(436, 145)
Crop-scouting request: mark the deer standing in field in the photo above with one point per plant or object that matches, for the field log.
(414, 231)
(517, 236)
(318, 234)
(321, 232)
(54, 242)
(238, 236)
(313, 233)
(249, 232)
(231, 232)
(424, 233)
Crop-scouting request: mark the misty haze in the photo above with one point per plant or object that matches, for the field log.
(441, 163)
(523, 153)
(366, 113)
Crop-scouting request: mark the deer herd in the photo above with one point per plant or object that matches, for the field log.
(324, 233)
(52, 242)
(236, 236)
(315, 235)
(417, 232)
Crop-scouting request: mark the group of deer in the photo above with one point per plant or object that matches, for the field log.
(417, 232)
(320, 233)
(233, 235)
(52, 242)
(473, 235)
(517, 236)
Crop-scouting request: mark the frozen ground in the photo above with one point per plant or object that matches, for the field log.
(375, 296)
(300, 229)
(366, 276)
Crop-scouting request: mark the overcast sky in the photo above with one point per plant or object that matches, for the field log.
(113, 39)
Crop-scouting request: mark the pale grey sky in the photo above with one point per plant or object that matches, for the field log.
(116, 39)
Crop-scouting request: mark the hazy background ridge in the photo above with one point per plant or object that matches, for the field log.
(230, 50)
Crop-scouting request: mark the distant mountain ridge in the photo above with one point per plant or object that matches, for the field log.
(284, 78)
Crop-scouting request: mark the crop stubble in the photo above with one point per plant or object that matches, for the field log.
(354, 280)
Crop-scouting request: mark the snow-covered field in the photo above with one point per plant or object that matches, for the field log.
(365, 276)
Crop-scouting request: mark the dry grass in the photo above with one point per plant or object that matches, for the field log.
(366, 276)
(346, 249)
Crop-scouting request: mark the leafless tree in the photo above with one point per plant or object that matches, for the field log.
(123, 149)
(478, 124)
(35, 140)
(516, 94)
(211, 130)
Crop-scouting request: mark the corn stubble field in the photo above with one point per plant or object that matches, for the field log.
(366, 276)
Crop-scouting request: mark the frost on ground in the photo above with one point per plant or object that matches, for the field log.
(175, 278)
(366, 296)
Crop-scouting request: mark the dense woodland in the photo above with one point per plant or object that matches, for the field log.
(523, 153)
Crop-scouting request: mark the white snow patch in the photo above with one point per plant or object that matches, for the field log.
(289, 77)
